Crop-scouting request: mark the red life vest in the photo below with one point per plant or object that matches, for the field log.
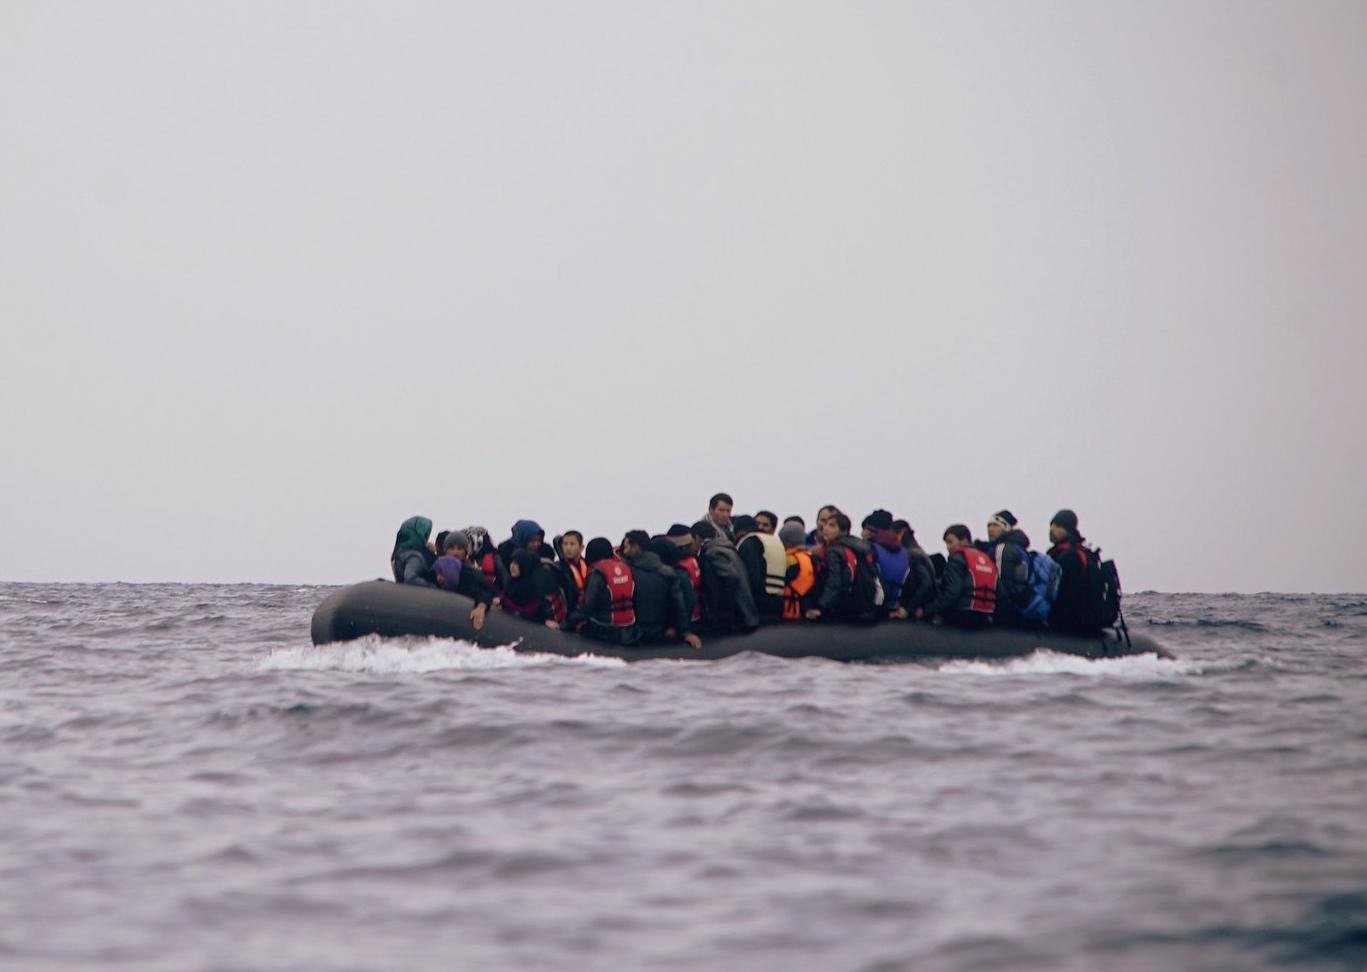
(486, 564)
(690, 566)
(982, 575)
(621, 588)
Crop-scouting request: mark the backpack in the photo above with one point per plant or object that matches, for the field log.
(1103, 591)
(866, 588)
(1041, 588)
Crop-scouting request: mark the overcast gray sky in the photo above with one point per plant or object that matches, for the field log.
(274, 277)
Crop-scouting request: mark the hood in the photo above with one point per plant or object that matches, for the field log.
(533, 582)
(412, 535)
(887, 540)
(526, 530)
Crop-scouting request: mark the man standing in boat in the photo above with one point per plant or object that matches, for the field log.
(719, 515)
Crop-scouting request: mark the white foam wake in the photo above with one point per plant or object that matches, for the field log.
(375, 656)
(1045, 662)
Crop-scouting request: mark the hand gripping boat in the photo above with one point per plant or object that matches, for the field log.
(394, 610)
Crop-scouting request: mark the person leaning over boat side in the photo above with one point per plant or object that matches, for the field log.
(799, 587)
(463, 577)
(1070, 609)
(719, 514)
(486, 557)
(1007, 545)
(765, 567)
(919, 589)
(968, 586)
(607, 613)
(412, 559)
(661, 613)
(893, 563)
(727, 603)
(574, 572)
(767, 522)
(851, 590)
(533, 592)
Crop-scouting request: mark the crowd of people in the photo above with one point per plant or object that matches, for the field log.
(728, 573)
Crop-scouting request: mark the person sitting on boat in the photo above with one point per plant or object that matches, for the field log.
(765, 567)
(454, 572)
(527, 535)
(670, 554)
(687, 561)
(607, 612)
(727, 603)
(814, 540)
(1007, 545)
(412, 558)
(968, 587)
(486, 557)
(661, 614)
(919, 589)
(893, 563)
(574, 571)
(799, 579)
(767, 522)
(719, 515)
(1071, 608)
(533, 591)
(851, 590)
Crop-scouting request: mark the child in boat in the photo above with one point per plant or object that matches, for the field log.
(574, 572)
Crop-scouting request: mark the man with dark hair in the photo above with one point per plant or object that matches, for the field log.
(1070, 609)
(851, 591)
(727, 603)
(765, 567)
(719, 514)
(919, 589)
(893, 563)
(968, 587)
(1007, 545)
(661, 614)
(767, 522)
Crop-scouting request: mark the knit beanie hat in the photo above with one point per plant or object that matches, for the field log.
(1066, 519)
(792, 534)
(599, 548)
(456, 538)
(1004, 519)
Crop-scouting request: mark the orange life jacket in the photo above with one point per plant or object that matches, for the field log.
(797, 588)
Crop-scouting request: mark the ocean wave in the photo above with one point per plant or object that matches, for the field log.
(375, 656)
(1045, 662)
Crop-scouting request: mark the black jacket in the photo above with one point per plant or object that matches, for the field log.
(770, 606)
(598, 604)
(1070, 610)
(727, 603)
(1008, 551)
(658, 601)
(474, 586)
(919, 589)
(840, 600)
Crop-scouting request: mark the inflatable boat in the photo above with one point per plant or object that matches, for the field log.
(394, 610)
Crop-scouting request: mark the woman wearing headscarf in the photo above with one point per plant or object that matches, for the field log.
(412, 559)
(533, 590)
(486, 557)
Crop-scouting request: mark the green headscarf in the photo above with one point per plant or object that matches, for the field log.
(412, 535)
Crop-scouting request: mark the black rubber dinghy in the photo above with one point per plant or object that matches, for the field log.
(394, 610)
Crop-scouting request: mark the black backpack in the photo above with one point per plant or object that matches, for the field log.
(1103, 591)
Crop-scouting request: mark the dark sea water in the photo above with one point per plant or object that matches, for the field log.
(186, 783)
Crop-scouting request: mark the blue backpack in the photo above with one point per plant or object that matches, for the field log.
(1042, 591)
